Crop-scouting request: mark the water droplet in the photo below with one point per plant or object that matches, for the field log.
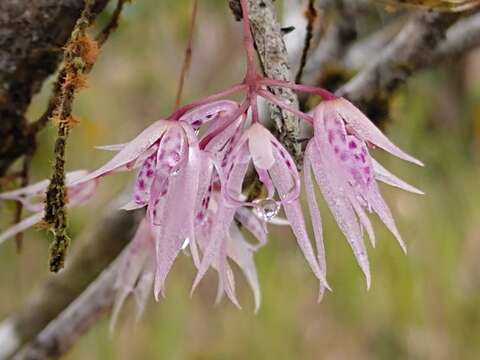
(266, 209)
(175, 171)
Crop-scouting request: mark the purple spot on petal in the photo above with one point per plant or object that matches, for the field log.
(330, 136)
(352, 145)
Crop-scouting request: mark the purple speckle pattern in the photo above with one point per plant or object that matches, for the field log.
(143, 183)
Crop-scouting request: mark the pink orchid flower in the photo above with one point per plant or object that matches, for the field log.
(191, 171)
(346, 174)
(33, 196)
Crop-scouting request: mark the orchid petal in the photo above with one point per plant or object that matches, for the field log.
(316, 220)
(178, 221)
(283, 183)
(260, 146)
(132, 150)
(253, 225)
(364, 128)
(133, 260)
(383, 211)
(387, 177)
(112, 147)
(21, 226)
(341, 208)
(206, 113)
(239, 251)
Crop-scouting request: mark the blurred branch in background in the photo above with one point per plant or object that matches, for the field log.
(426, 40)
(64, 330)
(111, 234)
(412, 48)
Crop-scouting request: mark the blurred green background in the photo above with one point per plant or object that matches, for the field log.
(425, 305)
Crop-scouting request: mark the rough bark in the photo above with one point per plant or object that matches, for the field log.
(32, 34)
(272, 53)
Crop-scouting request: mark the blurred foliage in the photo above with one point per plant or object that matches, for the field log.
(421, 306)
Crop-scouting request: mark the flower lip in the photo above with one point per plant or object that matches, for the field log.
(203, 114)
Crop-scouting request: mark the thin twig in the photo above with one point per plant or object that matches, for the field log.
(112, 25)
(188, 55)
(79, 57)
(311, 15)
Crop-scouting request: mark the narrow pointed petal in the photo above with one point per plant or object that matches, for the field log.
(143, 290)
(238, 250)
(112, 147)
(294, 214)
(21, 226)
(387, 177)
(178, 220)
(132, 150)
(133, 260)
(219, 230)
(364, 128)
(253, 225)
(383, 211)
(226, 274)
(30, 190)
(316, 221)
(364, 220)
(341, 209)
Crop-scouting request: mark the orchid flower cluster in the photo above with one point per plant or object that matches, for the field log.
(191, 168)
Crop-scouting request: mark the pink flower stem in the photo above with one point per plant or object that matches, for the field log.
(220, 95)
(251, 76)
(325, 94)
(254, 107)
(270, 97)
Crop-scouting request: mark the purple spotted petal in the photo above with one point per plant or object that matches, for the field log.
(362, 127)
(338, 197)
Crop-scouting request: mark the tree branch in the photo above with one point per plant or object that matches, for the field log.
(32, 34)
(79, 316)
(52, 297)
(413, 48)
(267, 34)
